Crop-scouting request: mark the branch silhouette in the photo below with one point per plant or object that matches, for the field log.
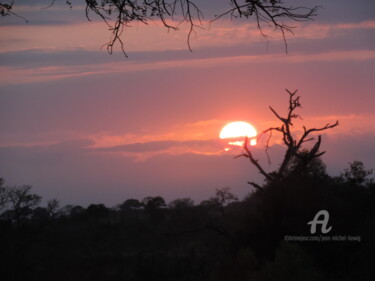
(120, 14)
(294, 145)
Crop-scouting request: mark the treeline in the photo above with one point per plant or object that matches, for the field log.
(221, 238)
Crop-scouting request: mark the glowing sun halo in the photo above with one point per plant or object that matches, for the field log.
(235, 131)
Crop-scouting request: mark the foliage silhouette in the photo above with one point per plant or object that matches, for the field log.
(181, 203)
(357, 175)
(245, 242)
(130, 204)
(18, 202)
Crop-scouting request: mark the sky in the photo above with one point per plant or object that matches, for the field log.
(83, 126)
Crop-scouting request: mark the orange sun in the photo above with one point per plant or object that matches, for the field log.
(236, 131)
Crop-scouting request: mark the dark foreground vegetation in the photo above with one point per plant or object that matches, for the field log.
(274, 234)
(219, 239)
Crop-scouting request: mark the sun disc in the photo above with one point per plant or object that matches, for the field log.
(238, 129)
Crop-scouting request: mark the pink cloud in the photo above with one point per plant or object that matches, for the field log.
(320, 31)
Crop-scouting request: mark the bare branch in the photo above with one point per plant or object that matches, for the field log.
(49, 5)
(294, 145)
(7, 10)
(255, 162)
(285, 121)
(271, 13)
(309, 131)
(120, 14)
(257, 186)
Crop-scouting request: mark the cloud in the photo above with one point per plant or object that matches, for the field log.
(344, 10)
(16, 75)
(137, 150)
(75, 174)
(71, 146)
(156, 146)
(350, 124)
(342, 149)
(144, 151)
(324, 30)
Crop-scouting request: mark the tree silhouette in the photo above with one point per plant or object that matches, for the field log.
(181, 203)
(183, 241)
(357, 175)
(130, 204)
(153, 203)
(53, 209)
(20, 202)
(120, 14)
(3, 195)
(224, 196)
(297, 157)
(97, 211)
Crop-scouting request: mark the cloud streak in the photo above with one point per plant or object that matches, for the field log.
(18, 75)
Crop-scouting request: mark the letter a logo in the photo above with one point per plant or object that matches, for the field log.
(323, 222)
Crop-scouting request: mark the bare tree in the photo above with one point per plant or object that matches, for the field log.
(53, 208)
(224, 196)
(120, 14)
(295, 152)
(21, 202)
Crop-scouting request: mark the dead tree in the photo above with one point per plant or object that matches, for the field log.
(295, 149)
(121, 14)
